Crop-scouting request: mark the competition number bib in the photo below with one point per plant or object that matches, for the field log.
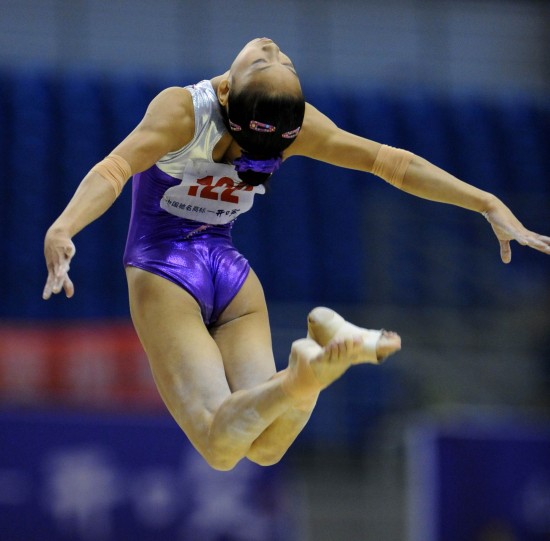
(209, 192)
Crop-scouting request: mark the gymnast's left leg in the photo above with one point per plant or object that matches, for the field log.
(313, 363)
(246, 347)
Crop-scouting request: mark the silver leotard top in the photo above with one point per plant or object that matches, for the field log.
(209, 128)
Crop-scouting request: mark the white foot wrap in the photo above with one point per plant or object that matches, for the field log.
(325, 324)
(370, 339)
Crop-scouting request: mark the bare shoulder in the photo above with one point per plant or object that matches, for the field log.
(168, 125)
(171, 114)
(315, 136)
(317, 131)
(177, 96)
(173, 105)
(315, 118)
(317, 123)
(321, 139)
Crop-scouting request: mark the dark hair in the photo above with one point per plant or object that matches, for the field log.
(276, 117)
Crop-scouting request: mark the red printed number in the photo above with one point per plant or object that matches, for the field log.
(210, 191)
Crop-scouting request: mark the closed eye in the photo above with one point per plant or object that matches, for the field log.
(269, 64)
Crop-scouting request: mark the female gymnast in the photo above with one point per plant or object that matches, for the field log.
(198, 158)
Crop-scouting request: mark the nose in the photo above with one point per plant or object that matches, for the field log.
(270, 47)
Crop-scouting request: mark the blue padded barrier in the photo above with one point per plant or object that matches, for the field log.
(82, 139)
(347, 414)
(423, 129)
(337, 196)
(396, 249)
(29, 194)
(286, 227)
(524, 146)
(476, 156)
(372, 115)
(5, 182)
(125, 101)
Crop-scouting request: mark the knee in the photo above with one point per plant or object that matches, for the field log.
(220, 461)
(264, 457)
(221, 457)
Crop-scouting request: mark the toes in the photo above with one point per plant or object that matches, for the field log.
(305, 347)
(388, 343)
(347, 349)
(320, 315)
(332, 351)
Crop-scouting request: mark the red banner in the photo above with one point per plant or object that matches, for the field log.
(91, 364)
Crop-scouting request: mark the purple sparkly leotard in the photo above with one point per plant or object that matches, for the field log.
(164, 239)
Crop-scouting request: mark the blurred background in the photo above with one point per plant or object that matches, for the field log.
(450, 439)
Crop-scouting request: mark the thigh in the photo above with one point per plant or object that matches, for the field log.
(243, 336)
(185, 361)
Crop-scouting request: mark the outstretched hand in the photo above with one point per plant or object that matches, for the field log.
(507, 228)
(58, 251)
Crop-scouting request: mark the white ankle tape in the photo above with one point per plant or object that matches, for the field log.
(370, 339)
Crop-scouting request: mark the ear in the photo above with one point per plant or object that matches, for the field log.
(223, 92)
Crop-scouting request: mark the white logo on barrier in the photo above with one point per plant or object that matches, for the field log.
(82, 486)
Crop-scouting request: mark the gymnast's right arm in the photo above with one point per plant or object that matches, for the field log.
(167, 125)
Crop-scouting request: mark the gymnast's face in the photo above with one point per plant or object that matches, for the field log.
(261, 61)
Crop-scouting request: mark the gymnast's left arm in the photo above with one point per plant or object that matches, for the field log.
(321, 139)
(428, 181)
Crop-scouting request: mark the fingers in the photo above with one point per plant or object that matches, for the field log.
(526, 238)
(507, 228)
(505, 251)
(534, 240)
(54, 284)
(539, 242)
(58, 279)
(68, 287)
(55, 281)
(58, 255)
(47, 293)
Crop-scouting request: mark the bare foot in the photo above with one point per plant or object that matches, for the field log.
(312, 367)
(325, 325)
